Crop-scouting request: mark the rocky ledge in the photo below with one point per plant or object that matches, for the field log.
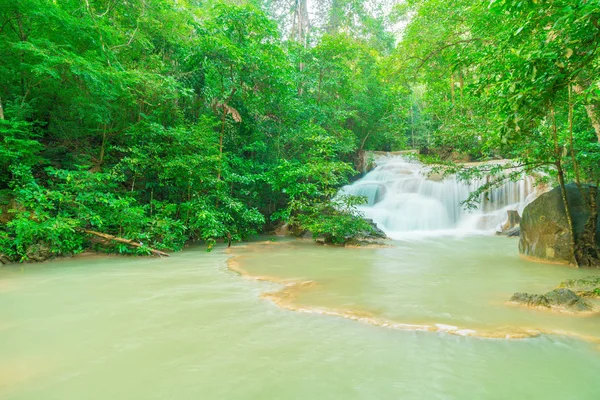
(583, 287)
(560, 299)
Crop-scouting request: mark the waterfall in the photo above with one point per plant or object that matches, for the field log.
(405, 202)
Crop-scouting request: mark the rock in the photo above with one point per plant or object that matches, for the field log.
(435, 177)
(512, 219)
(561, 299)
(4, 259)
(283, 230)
(530, 300)
(584, 287)
(38, 252)
(294, 230)
(511, 227)
(377, 232)
(544, 228)
(370, 243)
(568, 299)
(513, 232)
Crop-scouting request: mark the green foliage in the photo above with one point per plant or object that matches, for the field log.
(167, 122)
(336, 222)
(18, 148)
(512, 79)
(498, 79)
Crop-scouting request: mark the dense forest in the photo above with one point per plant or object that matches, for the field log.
(169, 121)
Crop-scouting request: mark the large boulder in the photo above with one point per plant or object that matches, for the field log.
(544, 228)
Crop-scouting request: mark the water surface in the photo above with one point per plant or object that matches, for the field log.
(189, 328)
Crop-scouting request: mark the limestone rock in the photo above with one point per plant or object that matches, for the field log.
(377, 232)
(513, 232)
(568, 299)
(513, 219)
(511, 227)
(530, 300)
(38, 252)
(561, 299)
(544, 228)
(584, 287)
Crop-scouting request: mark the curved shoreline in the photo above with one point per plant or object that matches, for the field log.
(286, 296)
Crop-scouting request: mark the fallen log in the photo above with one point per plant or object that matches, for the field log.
(123, 240)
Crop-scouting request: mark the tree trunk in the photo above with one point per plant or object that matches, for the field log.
(319, 88)
(1, 110)
(22, 38)
(123, 240)
(222, 133)
(225, 106)
(563, 189)
(586, 249)
(335, 16)
(412, 126)
(102, 151)
(452, 88)
(563, 192)
(301, 22)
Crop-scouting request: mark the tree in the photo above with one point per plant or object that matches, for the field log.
(525, 67)
(165, 122)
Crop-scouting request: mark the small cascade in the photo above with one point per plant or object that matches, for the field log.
(405, 202)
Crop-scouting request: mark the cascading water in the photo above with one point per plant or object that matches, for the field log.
(405, 202)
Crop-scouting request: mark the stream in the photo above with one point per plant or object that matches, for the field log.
(190, 327)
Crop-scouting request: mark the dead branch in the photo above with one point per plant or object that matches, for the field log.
(123, 240)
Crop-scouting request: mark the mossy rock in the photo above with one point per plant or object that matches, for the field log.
(562, 299)
(544, 228)
(39, 252)
(568, 299)
(530, 300)
(584, 287)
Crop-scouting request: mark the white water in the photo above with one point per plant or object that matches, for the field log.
(405, 203)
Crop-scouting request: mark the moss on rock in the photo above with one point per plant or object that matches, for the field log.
(584, 287)
(545, 232)
(561, 299)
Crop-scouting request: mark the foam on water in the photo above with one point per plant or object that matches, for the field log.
(407, 204)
